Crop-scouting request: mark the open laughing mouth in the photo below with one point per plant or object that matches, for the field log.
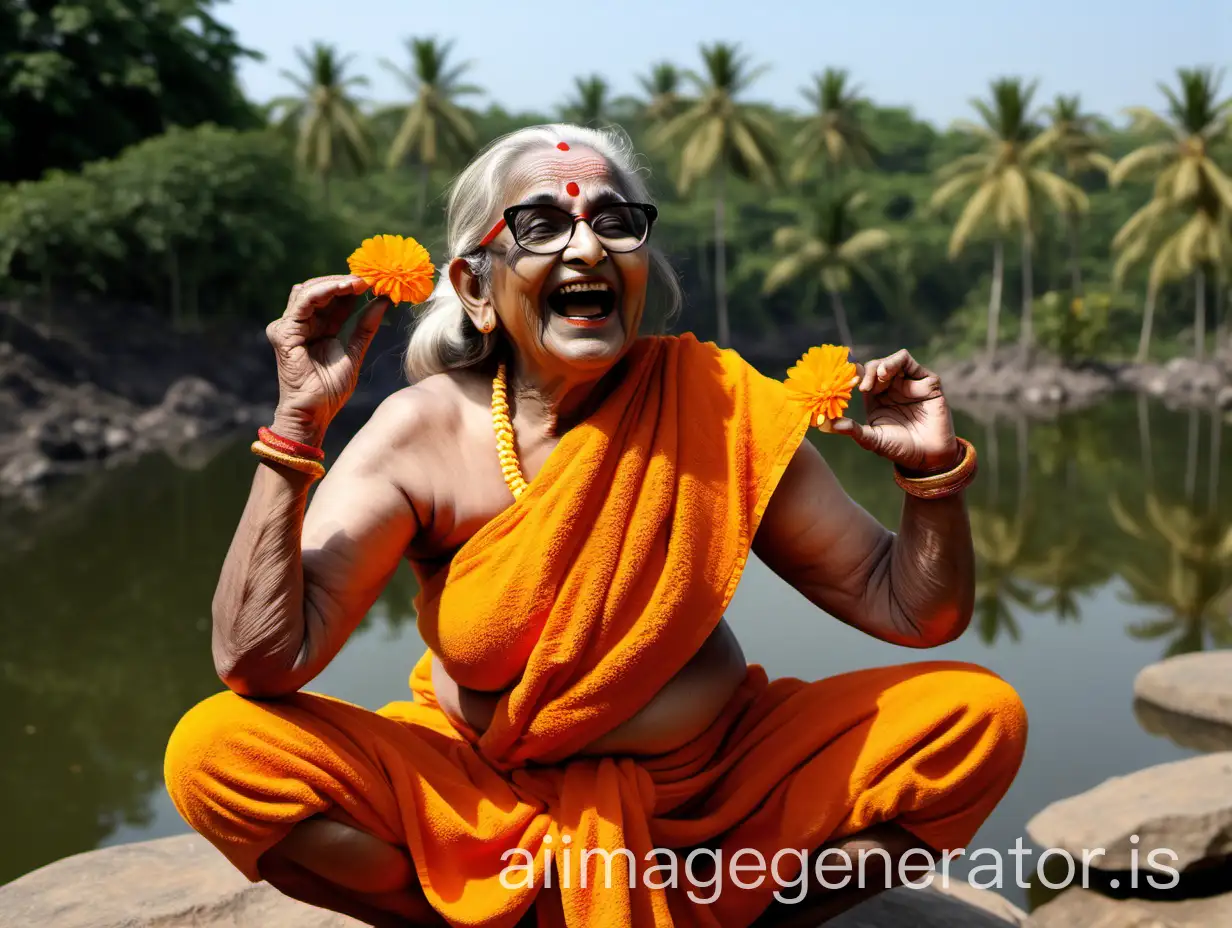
(583, 303)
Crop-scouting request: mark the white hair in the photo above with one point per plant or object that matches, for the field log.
(443, 337)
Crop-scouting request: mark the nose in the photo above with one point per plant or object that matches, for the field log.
(584, 247)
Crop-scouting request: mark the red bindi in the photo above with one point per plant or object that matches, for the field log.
(563, 146)
(572, 189)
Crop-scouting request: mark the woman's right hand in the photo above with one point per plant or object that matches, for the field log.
(317, 373)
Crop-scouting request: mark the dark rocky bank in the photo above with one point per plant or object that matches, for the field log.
(82, 394)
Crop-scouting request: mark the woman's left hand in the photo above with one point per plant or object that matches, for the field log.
(907, 418)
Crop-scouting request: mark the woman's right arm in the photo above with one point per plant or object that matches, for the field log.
(297, 579)
(295, 584)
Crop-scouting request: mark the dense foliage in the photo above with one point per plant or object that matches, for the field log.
(82, 79)
(844, 220)
(201, 221)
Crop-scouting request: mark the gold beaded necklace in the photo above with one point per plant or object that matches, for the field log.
(503, 427)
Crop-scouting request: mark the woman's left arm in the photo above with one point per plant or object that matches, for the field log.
(913, 587)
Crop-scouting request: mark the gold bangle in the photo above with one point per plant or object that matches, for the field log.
(952, 481)
(314, 469)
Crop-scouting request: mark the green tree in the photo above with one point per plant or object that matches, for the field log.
(204, 219)
(60, 231)
(434, 127)
(591, 104)
(325, 115)
(1184, 227)
(661, 87)
(1077, 144)
(828, 247)
(217, 213)
(720, 135)
(832, 133)
(83, 79)
(1005, 183)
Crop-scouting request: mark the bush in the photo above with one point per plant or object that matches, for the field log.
(1072, 328)
(206, 220)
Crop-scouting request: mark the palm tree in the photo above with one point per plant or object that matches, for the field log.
(827, 247)
(905, 271)
(832, 132)
(1006, 182)
(590, 105)
(433, 126)
(662, 88)
(722, 135)
(1185, 225)
(1074, 139)
(325, 115)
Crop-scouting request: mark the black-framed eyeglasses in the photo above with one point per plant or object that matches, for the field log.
(544, 229)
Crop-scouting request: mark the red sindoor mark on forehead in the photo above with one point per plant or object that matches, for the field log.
(572, 189)
(563, 146)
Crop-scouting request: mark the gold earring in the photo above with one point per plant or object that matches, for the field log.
(486, 327)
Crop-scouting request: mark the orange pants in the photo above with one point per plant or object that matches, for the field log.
(932, 746)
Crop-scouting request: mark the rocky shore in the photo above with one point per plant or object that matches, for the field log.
(182, 882)
(1163, 834)
(1048, 386)
(79, 395)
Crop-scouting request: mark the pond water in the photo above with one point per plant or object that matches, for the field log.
(1103, 546)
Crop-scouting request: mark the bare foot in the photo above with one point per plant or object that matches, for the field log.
(336, 866)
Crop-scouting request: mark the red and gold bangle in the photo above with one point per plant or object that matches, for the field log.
(314, 469)
(288, 446)
(936, 486)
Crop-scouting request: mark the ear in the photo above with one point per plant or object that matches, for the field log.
(470, 291)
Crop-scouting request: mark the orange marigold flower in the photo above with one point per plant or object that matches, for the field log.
(394, 266)
(822, 381)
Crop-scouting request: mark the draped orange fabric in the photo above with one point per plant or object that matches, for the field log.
(619, 559)
(586, 596)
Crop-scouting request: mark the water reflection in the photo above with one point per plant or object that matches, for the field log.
(1182, 562)
(1185, 731)
(104, 637)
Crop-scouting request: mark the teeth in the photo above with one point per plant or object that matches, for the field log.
(585, 286)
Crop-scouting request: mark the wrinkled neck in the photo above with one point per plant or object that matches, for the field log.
(554, 402)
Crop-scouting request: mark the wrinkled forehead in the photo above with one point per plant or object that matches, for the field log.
(561, 173)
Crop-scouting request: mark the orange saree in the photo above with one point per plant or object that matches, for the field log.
(584, 598)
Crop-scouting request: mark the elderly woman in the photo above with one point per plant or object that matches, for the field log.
(586, 743)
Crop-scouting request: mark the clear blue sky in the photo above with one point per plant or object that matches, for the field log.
(931, 55)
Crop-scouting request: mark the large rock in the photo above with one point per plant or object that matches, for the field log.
(1085, 908)
(1047, 383)
(1199, 685)
(1181, 382)
(192, 407)
(992, 902)
(183, 882)
(1184, 806)
(959, 906)
(168, 883)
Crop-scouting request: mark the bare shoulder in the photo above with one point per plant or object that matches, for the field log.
(413, 439)
(415, 418)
